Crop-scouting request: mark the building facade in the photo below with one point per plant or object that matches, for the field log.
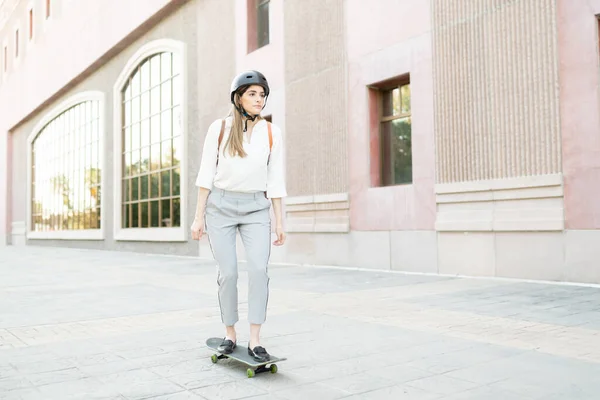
(433, 136)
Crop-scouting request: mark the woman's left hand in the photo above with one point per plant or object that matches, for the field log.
(280, 236)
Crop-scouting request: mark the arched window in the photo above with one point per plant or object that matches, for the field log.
(65, 171)
(150, 145)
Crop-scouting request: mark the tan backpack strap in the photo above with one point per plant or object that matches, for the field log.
(270, 137)
(270, 141)
(220, 138)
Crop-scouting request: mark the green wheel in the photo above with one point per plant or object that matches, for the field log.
(214, 358)
(273, 368)
(250, 373)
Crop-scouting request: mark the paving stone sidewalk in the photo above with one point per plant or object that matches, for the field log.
(87, 324)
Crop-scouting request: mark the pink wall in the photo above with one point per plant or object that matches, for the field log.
(387, 39)
(580, 110)
(78, 34)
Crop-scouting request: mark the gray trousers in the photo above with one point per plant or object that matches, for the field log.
(226, 213)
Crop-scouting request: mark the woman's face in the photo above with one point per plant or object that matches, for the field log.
(253, 99)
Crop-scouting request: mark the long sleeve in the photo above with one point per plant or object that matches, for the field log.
(276, 168)
(208, 164)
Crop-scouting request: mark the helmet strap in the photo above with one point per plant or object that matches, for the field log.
(246, 116)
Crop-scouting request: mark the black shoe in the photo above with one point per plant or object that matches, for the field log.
(259, 354)
(226, 346)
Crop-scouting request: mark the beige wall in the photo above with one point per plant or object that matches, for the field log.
(496, 85)
(315, 77)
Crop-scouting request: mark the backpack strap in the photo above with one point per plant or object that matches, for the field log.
(270, 141)
(220, 139)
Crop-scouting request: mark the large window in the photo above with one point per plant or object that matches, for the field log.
(395, 135)
(66, 171)
(152, 144)
(258, 24)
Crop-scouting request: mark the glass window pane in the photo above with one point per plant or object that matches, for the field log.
(166, 95)
(154, 185)
(135, 84)
(166, 149)
(135, 189)
(397, 152)
(127, 140)
(144, 187)
(127, 113)
(165, 208)
(155, 157)
(125, 215)
(126, 194)
(165, 183)
(155, 100)
(135, 218)
(145, 132)
(263, 24)
(145, 76)
(154, 214)
(145, 216)
(177, 121)
(177, 150)
(145, 162)
(405, 94)
(127, 169)
(145, 105)
(135, 109)
(176, 175)
(135, 162)
(155, 129)
(135, 136)
(396, 101)
(176, 212)
(155, 70)
(166, 127)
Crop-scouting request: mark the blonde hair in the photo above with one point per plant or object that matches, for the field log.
(235, 141)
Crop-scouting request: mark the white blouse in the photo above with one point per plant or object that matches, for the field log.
(247, 174)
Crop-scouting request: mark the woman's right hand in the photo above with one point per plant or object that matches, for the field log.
(197, 228)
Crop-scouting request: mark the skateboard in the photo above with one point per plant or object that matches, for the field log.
(240, 354)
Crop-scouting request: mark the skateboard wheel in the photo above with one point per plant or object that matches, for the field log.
(273, 368)
(250, 373)
(214, 358)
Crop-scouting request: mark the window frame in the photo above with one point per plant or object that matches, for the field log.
(376, 98)
(252, 28)
(5, 58)
(383, 119)
(31, 28)
(80, 234)
(151, 234)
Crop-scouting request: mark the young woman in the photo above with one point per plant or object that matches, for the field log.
(241, 169)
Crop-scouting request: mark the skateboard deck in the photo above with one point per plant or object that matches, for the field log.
(240, 353)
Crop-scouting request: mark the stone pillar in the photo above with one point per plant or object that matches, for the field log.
(498, 147)
(316, 120)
